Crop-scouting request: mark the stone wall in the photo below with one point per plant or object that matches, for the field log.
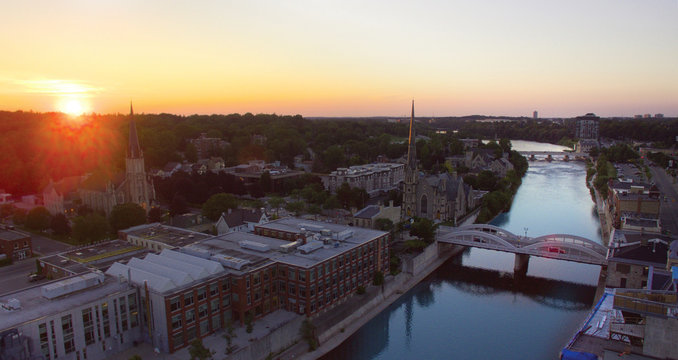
(279, 339)
(660, 337)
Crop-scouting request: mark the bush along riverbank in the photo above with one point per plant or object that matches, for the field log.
(500, 196)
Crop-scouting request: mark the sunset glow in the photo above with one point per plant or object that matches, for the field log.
(72, 106)
(348, 58)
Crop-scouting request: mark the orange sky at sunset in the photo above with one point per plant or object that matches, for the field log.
(341, 58)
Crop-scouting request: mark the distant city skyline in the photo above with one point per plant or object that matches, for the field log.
(343, 58)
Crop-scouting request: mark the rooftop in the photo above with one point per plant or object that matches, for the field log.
(169, 235)
(367, 212)
(10, 235)
(35, 306)
(99, 256)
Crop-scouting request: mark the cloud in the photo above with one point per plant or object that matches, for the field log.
(55, 87)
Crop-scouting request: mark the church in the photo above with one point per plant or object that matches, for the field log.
(439, 197)
(101, 193)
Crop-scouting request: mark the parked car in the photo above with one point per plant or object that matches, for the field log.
(35, 277)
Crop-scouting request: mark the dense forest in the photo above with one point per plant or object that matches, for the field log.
(36, 147)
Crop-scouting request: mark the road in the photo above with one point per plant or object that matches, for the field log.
(14, 277)
(669, 207)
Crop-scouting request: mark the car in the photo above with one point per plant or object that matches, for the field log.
(35, 277)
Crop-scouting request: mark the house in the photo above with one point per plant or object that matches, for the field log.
(635, 259)
(15, 245)
(170, 168)
(368, 215)
(240, 220)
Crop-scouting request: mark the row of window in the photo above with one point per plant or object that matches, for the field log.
(93, 323)
(189, 297)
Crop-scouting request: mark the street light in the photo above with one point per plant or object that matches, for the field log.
(525, 232)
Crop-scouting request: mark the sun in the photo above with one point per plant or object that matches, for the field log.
(73, 107)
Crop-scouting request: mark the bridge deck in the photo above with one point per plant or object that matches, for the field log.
(556, 246)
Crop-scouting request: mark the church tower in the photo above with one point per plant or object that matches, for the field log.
(409, 206)
(138, 187)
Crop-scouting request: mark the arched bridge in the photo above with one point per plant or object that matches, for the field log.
(555, 246)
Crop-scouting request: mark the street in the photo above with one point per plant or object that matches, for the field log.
(15, 276)
(669, 208)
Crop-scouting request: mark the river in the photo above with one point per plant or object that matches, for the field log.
(472, 308)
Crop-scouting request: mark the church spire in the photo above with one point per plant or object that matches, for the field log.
(411, 145)
(133, 150)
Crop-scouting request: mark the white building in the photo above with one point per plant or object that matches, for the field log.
(374, 178)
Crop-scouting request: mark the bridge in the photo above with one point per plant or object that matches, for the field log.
(554, 246)
(554, 155)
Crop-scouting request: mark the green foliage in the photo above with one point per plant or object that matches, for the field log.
(659, 158)
(6, 210)
(135, 357)
(296, 207)
(178, 205)
(218, 204)
(424, 229)
(60, 226)
(360, 290)
(126, 215)
(378, 278)
(191, 153)
(620, 153)
(38, 218)
(351, 197)
(415, 245)
(155, 215)
(308, 333)
(198, 351)
(230, 334)
(249, 320)
(6, 262)
(383, 224)
(331, 203)
(90, 228)
(38, 267)
(266, 182)
(394, 264)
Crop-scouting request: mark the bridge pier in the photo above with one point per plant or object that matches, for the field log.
(520, 264)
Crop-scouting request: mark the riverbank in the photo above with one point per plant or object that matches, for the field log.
(335, 326)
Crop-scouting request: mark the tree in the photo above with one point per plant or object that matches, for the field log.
(191, 153)
(198, 351)
(383, 224)
(19, 216)
(424, 229)
(230, 334)
(135, 357)
(6, 210)
(90, 228)
(60, 226)
(249, 319)
(155, 215)
(218, 204)
(38, 218)
(126, 215)
(378, 278)
(307, 332)
(178, 206)
(296, 207)
(265, 181)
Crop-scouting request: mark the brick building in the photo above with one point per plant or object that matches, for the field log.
(15, 245)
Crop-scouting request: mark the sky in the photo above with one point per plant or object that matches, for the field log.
(341, 58)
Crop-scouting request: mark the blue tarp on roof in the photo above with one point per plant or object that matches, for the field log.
(576, 355)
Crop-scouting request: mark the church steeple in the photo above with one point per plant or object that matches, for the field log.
(133, 150)
(412, 144)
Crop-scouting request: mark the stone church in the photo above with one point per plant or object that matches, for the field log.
(440, 197)
(102, 193)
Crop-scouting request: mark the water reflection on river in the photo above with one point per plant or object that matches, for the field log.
(463, 312)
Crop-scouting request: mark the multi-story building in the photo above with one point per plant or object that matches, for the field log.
(634, 206)
(88, 316)
(208, 146)
(192, 288)
(374, 178)
(638, 260)
(587, 126)
(15, 245)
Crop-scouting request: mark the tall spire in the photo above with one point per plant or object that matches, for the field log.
(133, 150)
(411, 145)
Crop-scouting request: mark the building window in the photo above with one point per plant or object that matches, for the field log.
(67, 331)
(292, 289)
(188, 299)
(106, 319)
(214, 305)
(176, 321)
(302, 275)
(190, 334)
(88, 326)
(257, 278)
(133, 310)
(123, 313)
(225, 285)
(204, 327)
(175, 304)
(226, 301)
(190, 316)
(178, 339)
(202, 311)
(292, 274)
(202, 294)
(44, 340)
(214, 289)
